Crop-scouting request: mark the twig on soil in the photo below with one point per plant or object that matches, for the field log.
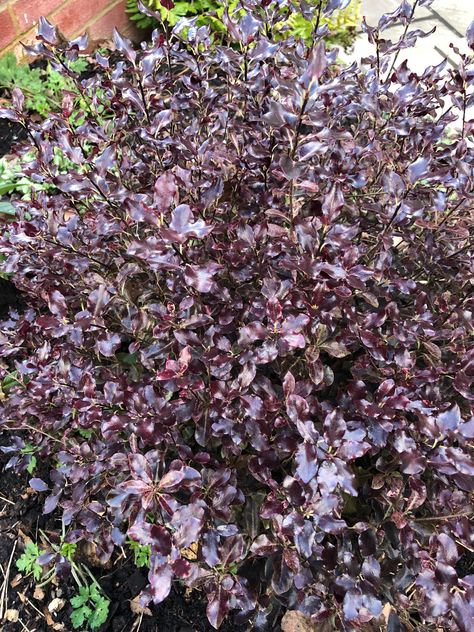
(24, 626)
(34, 607)
(138, 624)
(4, 589)
(10, 502)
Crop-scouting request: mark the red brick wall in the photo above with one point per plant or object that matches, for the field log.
(18, 19)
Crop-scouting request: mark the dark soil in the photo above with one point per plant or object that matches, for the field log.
(10, 134)
(10, 298)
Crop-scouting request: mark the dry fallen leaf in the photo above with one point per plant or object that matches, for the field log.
(386, 611)
(48, 617)
(12, 615)
(88, 551)
(16, 580)
(56, 605)
(190, 553)
(136, 608)
(68, 214)
(38, 593)
(295, 621)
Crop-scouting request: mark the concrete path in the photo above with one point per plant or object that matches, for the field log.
(450, 17)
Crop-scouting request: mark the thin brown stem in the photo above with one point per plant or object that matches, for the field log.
(462, 514)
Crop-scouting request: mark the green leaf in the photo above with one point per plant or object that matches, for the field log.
(31, 467)
(27, 562)
(7, 187)
(141, 553)
(127, 358)
(94, 593)
(22, 564)
(100, 614)
(29, 448)
(79, 616)
(7, 208)
(68, 550)
(82, 598)
(37, 572)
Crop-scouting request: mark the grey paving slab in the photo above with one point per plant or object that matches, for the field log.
(419, 57)
(450, 17)
(458, 13)
(373, 9)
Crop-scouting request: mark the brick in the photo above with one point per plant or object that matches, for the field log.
(7, 29)
(28, 12)
(103, 27)
(72, 18)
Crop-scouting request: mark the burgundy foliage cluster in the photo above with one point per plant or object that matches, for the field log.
(249, 335)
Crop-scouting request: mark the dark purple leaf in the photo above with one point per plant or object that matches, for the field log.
(201, 277)
(317, 64)
(418, 169)
(51, 502)
(449, 420)
(160, 577)
(108, 344)
(47, 32)
(470, 35)
(38, 484)
(57, 304)
(306, 462)
(164, 191)
(183, 224)
(125, 46)
(217, 607)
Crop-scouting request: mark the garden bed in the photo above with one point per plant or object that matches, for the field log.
(10, 133)
(21, 516)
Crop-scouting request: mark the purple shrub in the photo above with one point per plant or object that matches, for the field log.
(250, 332)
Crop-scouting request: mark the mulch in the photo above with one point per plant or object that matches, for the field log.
(21, 519)
(10, 134)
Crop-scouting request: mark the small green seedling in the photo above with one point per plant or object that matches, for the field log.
(29, 452)
(28, 562)
(68, 550)
(90, 607)
(141, 553)
(31, 467)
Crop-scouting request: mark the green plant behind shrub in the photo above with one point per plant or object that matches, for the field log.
(341, 24)
(141, 553)
(43, 87)
(200, 8)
